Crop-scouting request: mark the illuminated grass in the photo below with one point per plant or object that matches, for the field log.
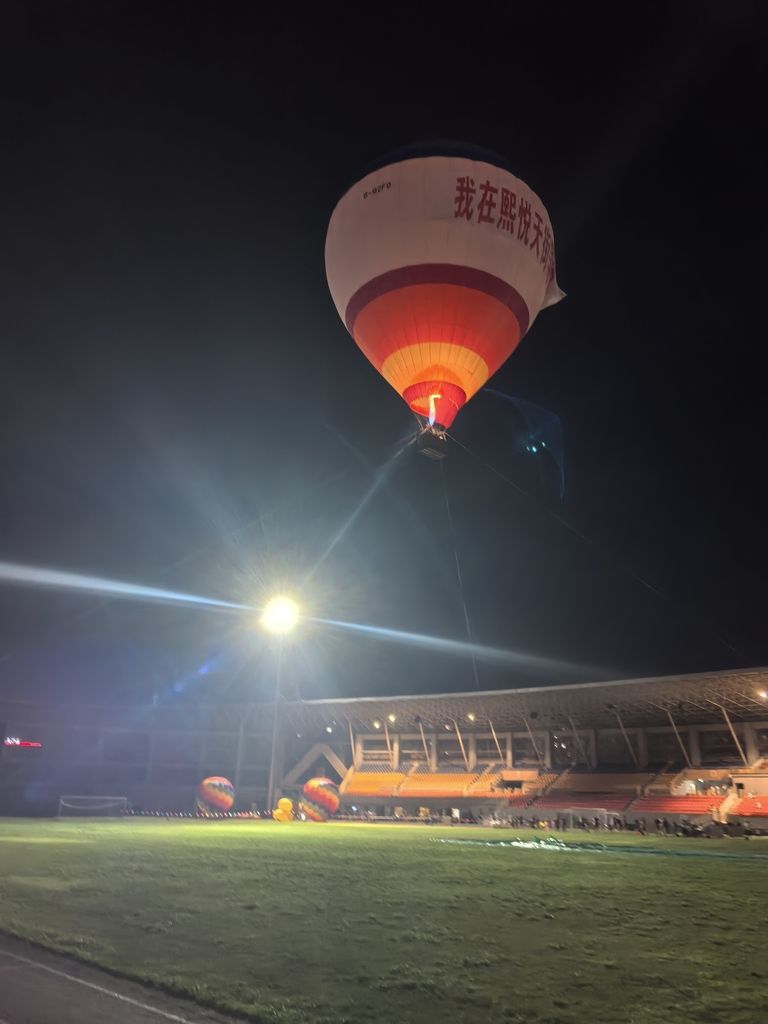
(302, 923)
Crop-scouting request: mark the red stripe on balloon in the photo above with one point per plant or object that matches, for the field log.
(438, 273)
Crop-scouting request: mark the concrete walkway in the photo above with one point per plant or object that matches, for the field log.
(37, 987)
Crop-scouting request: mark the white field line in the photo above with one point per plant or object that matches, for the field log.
(95, 988)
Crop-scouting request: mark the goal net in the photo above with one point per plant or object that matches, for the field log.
(588, 817)
(92, 806)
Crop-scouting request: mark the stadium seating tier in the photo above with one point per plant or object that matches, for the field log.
(751, 807)
(677, 804)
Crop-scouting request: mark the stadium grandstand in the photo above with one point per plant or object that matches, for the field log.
(684, 747)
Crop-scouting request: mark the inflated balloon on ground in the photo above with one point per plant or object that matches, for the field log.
(215, 795)
(320, 799)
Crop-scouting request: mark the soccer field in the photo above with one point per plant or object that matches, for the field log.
(340, 922)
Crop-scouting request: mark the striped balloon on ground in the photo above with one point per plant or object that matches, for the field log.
(215, 795)
(320, 799)
(438, 262)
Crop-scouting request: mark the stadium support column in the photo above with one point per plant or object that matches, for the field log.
(240, 749)
(472, 745)
(579, 743)
(499, 751)
(750, 743)
(534, 744)
(627, 739)
(735, 736)
(592, 742)
(460, 738)
(424, 743)
(275, 757)
(352, 758)
(389, 747)
(680, 740)
(642, 748)
(695, 747)
(509, 760)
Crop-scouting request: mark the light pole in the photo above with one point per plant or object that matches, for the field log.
(279, 616)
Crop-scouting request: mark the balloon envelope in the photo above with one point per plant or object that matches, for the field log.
(215, 795)
(320, 799)
(438, 265)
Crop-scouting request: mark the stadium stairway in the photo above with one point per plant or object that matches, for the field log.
(661, 782)
(547, 780)
(489, 784)
(486, 783)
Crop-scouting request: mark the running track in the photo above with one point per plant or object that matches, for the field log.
(38, 987)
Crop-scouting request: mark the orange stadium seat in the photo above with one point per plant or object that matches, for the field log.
(438, 784)
(487, 787)
(677, 804)
(602, 782)
(751, 807)
(518, 800)
(374, 784)
(562, 799)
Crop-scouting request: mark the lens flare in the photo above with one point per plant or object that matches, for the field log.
(59, 580)
(443, 645)
(280, 615)
(378, 481)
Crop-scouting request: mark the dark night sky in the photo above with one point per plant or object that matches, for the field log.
(182, 407)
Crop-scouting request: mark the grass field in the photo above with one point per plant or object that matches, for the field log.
(359, 923)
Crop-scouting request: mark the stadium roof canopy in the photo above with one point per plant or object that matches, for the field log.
(696, 698)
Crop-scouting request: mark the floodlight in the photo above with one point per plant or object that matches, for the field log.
(279, 615)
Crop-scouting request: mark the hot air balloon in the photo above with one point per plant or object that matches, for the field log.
(438, 262)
